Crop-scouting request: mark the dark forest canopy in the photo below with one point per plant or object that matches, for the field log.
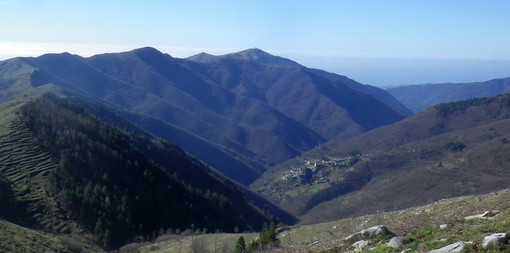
(107, 180)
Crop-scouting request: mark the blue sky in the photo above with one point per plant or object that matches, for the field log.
(376, 42)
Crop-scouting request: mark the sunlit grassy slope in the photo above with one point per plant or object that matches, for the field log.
(419, 226)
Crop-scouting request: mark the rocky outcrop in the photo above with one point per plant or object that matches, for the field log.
(369, 234)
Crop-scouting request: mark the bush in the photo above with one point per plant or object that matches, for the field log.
(454, 146)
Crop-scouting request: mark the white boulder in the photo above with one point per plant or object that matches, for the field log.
(360, 245)
(493, 240)
(396, 242)
(485, 215)
(452, 248)
(368, 234)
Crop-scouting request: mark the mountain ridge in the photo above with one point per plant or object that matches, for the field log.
(420, 97)
(182, 94)
(290, 83)
(263, 57)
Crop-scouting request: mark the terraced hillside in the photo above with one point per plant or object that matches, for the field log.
(24, 170)
(26, 167)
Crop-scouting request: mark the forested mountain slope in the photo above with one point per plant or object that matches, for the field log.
(66, 170)
(449, 150)
(331, 105)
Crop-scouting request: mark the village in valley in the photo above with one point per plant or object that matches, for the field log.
(314, 171)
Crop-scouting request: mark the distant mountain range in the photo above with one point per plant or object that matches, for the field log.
(449, 150)
(419, 97)
(240, 113)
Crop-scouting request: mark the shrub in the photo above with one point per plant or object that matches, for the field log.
(454, 146)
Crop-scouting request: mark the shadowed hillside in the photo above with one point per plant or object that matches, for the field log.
(331, 105)
(67, 171)
(148, 82)
(240, 113)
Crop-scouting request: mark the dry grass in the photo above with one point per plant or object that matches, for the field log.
(14, 238)
(199, 243)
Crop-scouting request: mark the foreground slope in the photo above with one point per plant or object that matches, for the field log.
(420, 97)
(419, 228)
(66, 171)
(449, 150)
(15, 238)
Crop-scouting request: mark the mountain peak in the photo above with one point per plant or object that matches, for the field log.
(147, 51)
(252, 54)
(255, 52)
(265, 58)
(63, 55)
(202, 57)
(152, 56)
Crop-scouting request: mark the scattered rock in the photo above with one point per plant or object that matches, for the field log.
(443, 226)
(396, 242)
(360, 245)
(369, 233)
(313, 243)
(485, 215)
(452, 248)
(493, 240)
(282, 234)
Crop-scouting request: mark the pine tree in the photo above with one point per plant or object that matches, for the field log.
(240, 245)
